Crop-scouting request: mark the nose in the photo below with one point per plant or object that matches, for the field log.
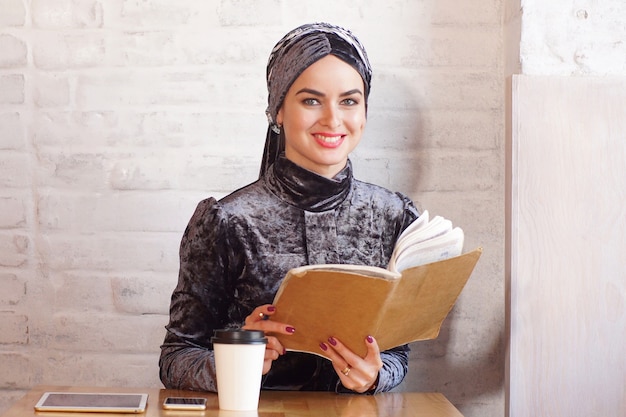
(331, 116)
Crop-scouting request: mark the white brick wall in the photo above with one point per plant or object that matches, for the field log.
(574, 37)
(118, 116)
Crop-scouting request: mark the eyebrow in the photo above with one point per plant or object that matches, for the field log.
(320, 94)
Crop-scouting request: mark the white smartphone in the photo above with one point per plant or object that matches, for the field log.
(184, 403)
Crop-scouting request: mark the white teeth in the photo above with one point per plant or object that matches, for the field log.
(328, 139)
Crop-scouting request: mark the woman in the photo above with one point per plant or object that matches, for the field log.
(305, 208)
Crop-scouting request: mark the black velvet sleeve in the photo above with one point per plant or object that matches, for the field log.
(199, 303)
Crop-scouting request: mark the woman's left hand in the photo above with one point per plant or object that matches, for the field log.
(356, 373)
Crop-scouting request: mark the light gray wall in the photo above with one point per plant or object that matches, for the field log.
(117, 116)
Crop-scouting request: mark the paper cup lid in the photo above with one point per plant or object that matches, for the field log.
(239, 336)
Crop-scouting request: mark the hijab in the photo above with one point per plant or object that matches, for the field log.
(294, 53)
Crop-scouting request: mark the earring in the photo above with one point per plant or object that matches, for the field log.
(274, 126)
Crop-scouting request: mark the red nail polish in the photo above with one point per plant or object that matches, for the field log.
(370, 339)
(290, 329)
(271, 308)
(323, 346)
(284, 351)
(332, 341)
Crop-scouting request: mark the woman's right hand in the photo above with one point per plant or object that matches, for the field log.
(260, 319)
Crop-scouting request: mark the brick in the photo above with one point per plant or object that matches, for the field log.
(84, 332)
(79, 170)
(12, 89)
(13, 13)
(438, 90)
(98, 293)
(62, 14)
(407, 15)
(13, 249)
(118, 212)
(51, 90)
(168, 48)
(184, 88)
(184, 172)
(14, 52)
(413, 130)
(134, 171)
(13, 212)
(593, 43)
(86, 292)
(237, 13)
(451, 12)
(446, 47)
(67, 50)
(12, 133)
(143, 294)
(14, 170)
(14, 328)
(61, 128)
(441, 171)
(145, 88)
(143, 252)
(17, 369)
(160, 14)
(230, 132)
(13, 290)
(101, 369)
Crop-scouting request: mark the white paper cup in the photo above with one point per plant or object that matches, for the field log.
(239, 358)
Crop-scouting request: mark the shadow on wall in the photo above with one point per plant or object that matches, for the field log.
(463, 372)
(389, 153)
(460, 363)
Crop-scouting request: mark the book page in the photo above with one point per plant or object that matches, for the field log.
(420, 222)
(424, 232)
(441, 247)
(372, 271)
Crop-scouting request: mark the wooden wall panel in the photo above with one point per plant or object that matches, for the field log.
(567, 247)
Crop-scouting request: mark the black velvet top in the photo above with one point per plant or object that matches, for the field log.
(235, 252)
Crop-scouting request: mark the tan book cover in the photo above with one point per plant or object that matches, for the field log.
(351, 302)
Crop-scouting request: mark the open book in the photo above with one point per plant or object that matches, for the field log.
(404, 303)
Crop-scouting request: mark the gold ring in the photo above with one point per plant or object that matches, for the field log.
(346, 371)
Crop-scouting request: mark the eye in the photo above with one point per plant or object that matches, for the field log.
(350, 102)
(310, 102)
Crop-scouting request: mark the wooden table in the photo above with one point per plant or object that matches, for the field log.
(271, 404)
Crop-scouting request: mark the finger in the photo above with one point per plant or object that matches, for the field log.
(269, 326)
(273, 350)
(266, 311)
(355, 373)
(260, 313)
(345, 352)
(373, 351)
(274, 344)
(259, 320)
(341, 357)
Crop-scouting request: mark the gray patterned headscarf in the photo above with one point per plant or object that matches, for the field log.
(294, 53)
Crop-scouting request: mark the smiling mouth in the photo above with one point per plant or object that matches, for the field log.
(328, 139)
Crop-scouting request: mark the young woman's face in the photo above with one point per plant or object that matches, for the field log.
(323, 116)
